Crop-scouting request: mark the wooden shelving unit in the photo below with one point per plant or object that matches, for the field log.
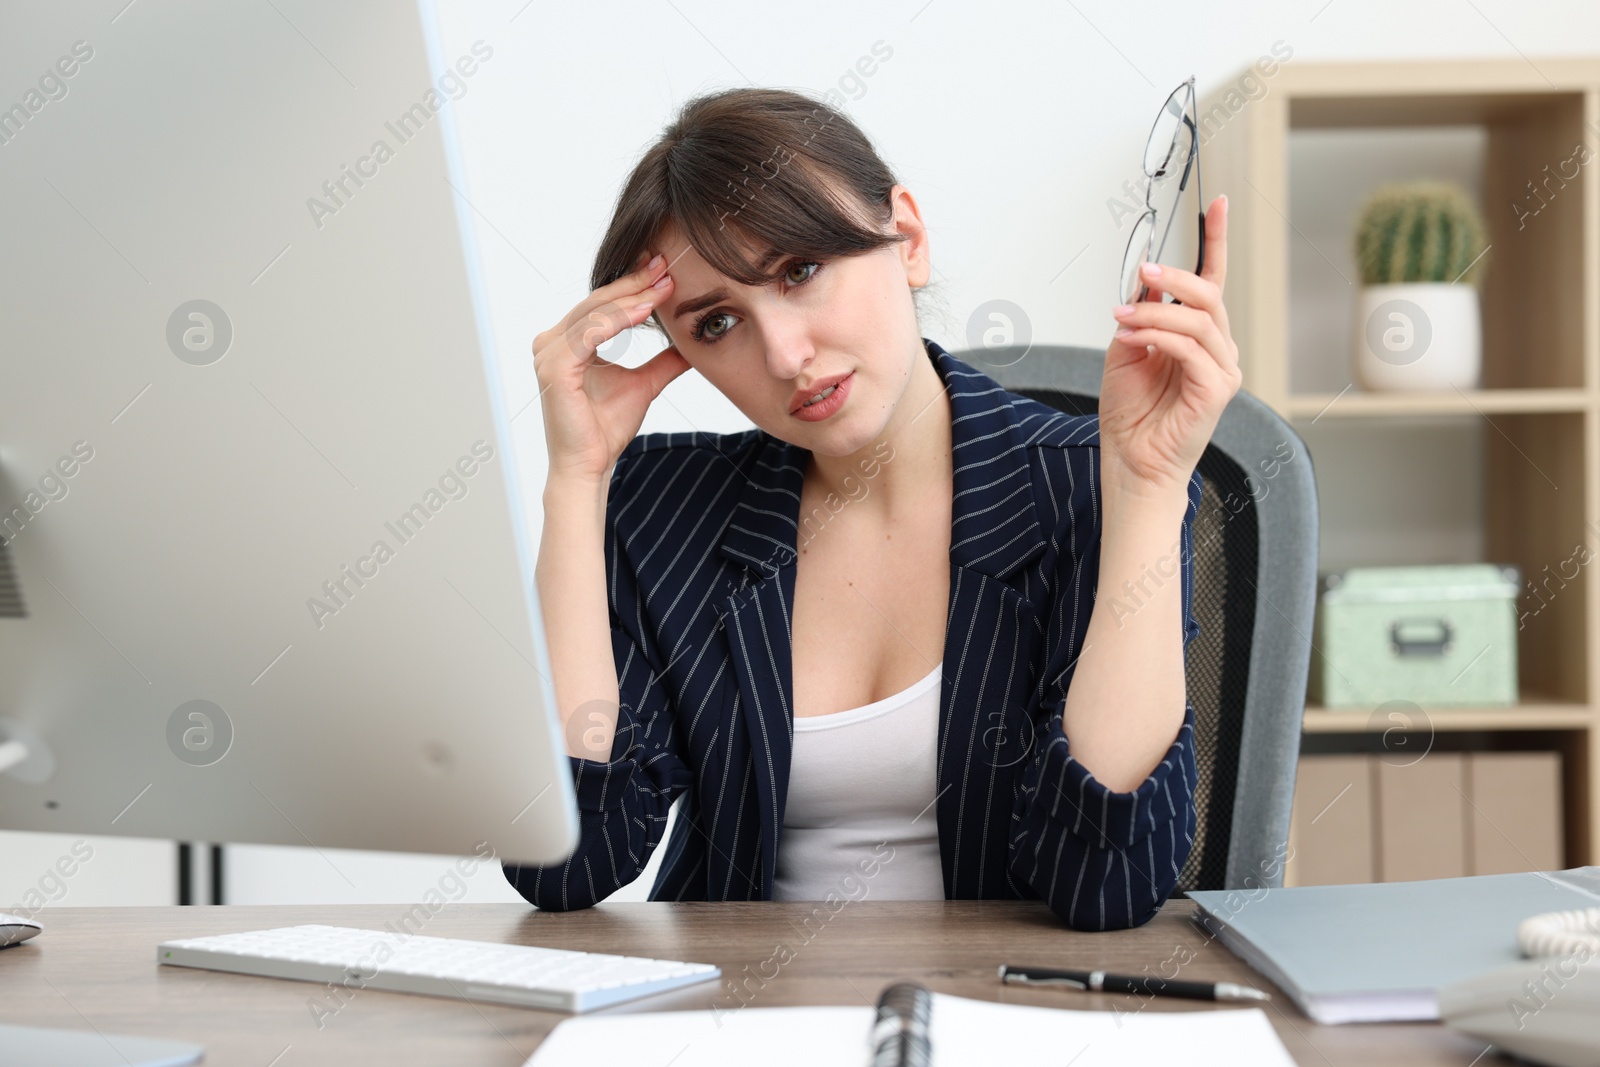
(1541, 348)
(1525, 716)
(1355, 403)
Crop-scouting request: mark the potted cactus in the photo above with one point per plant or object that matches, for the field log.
(1420, 249)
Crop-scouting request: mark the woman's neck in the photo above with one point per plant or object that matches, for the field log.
(908, 460)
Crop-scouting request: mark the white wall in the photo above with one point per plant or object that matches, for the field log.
(1014, 123)
(1422, 479)
(43, 871)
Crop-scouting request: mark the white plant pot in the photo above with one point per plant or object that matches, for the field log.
(1418, 336)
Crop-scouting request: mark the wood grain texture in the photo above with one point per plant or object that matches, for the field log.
(96, 968)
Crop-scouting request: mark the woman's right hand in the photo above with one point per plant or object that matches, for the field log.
(592, 407)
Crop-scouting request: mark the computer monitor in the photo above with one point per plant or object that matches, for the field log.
(266, 574)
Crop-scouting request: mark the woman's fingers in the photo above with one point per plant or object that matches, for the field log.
(1185, 319)
(1191, 288)
(1216, 266)
(1194, 290)
(592, 324)
(621, 291)
(1198, 364)
(646, 272)
(662, 368)
(604, 322)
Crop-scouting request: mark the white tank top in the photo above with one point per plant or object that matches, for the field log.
(859, 820)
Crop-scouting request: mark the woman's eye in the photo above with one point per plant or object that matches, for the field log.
(710, 337)
(810, 268)
(703, 330)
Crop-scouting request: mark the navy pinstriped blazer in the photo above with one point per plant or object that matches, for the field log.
(700, 539)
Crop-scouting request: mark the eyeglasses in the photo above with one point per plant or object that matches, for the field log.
(1174, 143)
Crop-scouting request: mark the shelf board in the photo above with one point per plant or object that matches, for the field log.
(1355, 403)
(1530, 714)
(1360, 107)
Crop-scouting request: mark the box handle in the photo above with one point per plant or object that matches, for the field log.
(1431, 642)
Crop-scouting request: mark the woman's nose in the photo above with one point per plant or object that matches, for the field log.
(788, 345)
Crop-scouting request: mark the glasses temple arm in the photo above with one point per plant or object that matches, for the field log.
(1199, 190)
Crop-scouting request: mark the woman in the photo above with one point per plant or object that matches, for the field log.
(915, 695)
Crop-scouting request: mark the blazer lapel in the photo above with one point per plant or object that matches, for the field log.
(994, 634)
(761, 535)
(993, 527)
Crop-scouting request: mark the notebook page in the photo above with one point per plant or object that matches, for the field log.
(979, 1032)
(772, 1037)
(965, 1032)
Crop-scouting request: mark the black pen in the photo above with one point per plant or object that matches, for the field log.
(1101, 982)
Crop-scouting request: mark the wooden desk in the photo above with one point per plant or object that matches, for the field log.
(96, 967)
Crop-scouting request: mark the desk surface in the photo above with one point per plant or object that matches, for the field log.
(96, 967)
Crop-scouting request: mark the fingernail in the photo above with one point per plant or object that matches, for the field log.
(657, 261)
(1152, 269)
(1124, 333)
(1122, 309)
(646, 306)
(662, 282)
(1224, 199)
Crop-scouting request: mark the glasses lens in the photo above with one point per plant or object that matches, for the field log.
(1167, 161)
(1134, 257)
(1166, 190)
(1168, 146)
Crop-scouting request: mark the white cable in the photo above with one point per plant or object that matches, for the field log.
(1561, 933)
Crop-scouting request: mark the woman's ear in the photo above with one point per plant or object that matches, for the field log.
(914, 250)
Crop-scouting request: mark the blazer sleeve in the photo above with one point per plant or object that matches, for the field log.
(1103, 859)
(622, 802)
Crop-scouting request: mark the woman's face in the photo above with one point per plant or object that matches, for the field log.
(768, 348)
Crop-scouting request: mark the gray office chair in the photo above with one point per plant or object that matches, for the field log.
(1255, 588)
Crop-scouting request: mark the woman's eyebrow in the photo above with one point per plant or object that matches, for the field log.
(700, 303)
(716, 296)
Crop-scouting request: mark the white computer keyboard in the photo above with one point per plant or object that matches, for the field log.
(553, 978)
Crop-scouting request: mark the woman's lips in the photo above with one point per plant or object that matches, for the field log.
(822, 409)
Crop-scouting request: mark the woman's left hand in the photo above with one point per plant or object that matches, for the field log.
(1159, 406)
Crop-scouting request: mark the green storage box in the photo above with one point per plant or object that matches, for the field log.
(1438, 636)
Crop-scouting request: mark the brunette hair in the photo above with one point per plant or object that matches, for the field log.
(753, 172)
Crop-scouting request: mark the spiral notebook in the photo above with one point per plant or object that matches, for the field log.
(964, 1032)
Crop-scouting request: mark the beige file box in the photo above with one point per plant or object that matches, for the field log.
(1330, 827)
(1421, 822)
(1514, 821)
